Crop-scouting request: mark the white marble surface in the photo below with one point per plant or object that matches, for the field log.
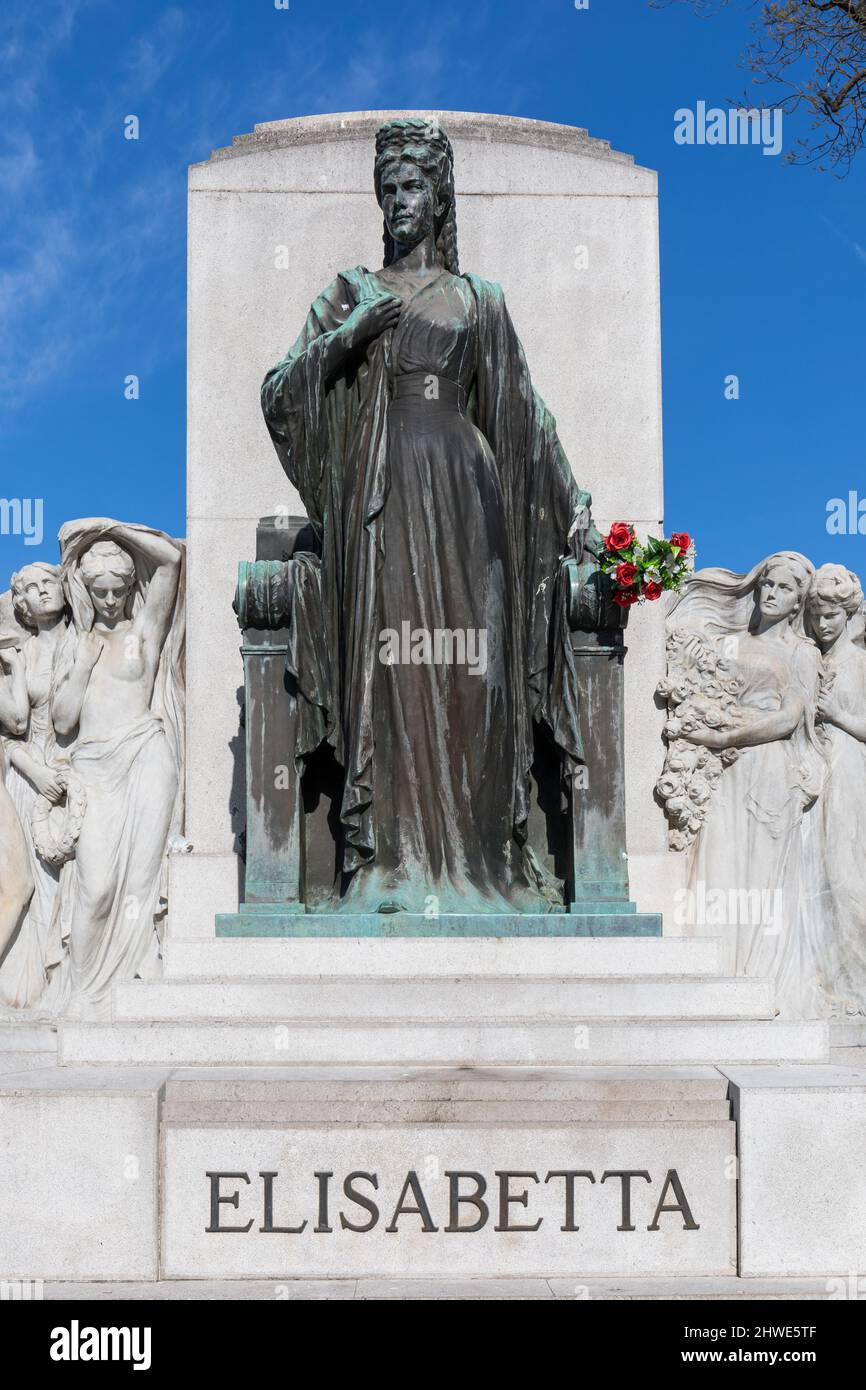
(582, 957)
(406, 1042)
(448, 998)
(578, 1288)
(79, 1195)
(802, 1137)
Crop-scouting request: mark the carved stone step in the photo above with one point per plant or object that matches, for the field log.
(438, 1095)
(565, 957)
(337, 1041)
(26, 1046)
(452, 999)
(566, 1083)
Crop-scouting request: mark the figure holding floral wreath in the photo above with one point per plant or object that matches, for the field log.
(744, 761)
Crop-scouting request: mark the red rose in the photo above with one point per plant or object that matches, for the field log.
(681, 540)
(625, 597)
(652, 589)
(626, 573)
(620, 536)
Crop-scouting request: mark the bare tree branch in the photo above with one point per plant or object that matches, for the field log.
(813, 52)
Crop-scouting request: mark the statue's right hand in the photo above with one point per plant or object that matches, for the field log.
(370, 318)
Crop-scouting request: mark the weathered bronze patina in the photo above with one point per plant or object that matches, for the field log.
(430, 638)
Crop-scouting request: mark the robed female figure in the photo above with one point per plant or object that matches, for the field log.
(405, 416)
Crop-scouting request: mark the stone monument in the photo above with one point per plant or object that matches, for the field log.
(300, 195)
(439, 960)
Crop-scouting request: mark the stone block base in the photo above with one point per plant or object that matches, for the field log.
(571, 1176)
(314, 1172)
(79, 1192)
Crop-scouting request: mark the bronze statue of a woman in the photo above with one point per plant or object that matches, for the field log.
(432, 472)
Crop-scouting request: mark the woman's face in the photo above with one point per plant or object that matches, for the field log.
(108, 594)
(778, 595)
(827, 622)
(408, 203)
(40, 596)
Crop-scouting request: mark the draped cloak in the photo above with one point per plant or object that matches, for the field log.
(331, 436)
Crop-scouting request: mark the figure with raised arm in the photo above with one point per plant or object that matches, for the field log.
(117, 695)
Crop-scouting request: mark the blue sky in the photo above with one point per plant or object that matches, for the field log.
(763, 264)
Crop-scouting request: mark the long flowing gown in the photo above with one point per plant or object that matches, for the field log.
(13, 864)
(445, 504)
(843, 816)
(749, 848)
(131, 780)
(23, 976)
(445, 570)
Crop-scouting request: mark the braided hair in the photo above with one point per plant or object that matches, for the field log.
(422, 142)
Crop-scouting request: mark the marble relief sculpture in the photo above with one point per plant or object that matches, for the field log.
(92, 706)
(833, 607)
(434, 478)
(764, 774)
(757, 680)
(16, 882)
(36, 780)
(117, 699)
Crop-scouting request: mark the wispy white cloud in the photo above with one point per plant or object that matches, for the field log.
(152, 54)
(851, 242)
(88, 218)
(30, 36)
(84, 213)
(19, 162)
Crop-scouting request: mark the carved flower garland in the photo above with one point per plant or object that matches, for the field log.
(54, 848)
(701, 691)
(644, 570)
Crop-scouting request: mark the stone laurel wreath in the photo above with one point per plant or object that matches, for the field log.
(53, 847)
(700, 692)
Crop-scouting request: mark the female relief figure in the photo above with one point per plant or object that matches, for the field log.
(16, 882)
(430, 635)
(117, 693)
(34, 772)
(748, 846)
(833, 606)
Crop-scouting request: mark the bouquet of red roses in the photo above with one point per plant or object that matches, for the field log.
(644, 569)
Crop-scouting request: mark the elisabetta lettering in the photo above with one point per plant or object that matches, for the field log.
(461, 1202)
